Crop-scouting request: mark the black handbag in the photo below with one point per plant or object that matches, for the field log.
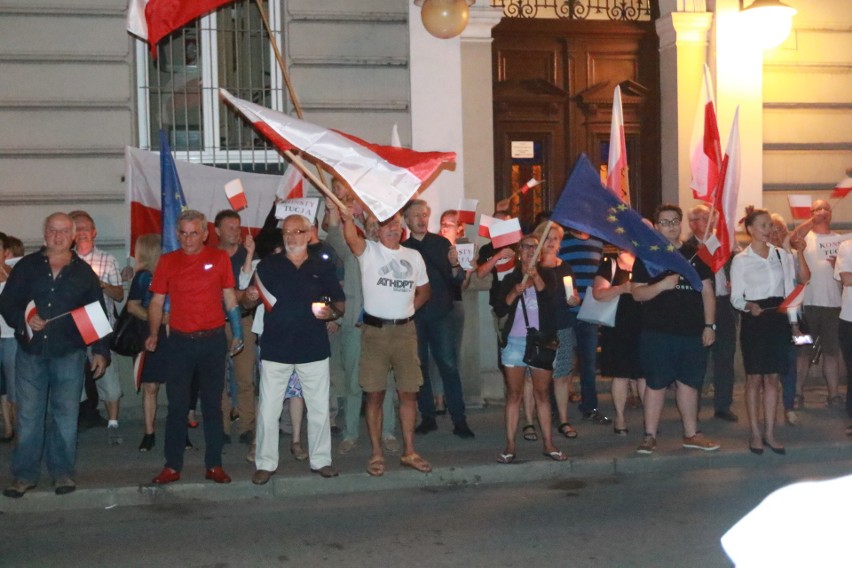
(540, 350)
(129, 334)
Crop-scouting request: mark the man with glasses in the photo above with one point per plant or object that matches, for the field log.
(307, 294)
(724, 348)
(678, 324)
(198, 280)
(821, 305)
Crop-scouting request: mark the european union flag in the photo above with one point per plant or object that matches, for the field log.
(172, 200)
(586, 205)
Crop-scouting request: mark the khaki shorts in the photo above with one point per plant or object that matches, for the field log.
(824, 323)
(391, 347)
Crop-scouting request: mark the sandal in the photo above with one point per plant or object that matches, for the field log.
(376, 466)
(298, 451)
(506, 458)
(575, 397)
(529, 433)
(556, 456)
(567, 430)
(414, 461)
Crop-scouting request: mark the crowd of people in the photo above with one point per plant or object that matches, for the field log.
(264, 330)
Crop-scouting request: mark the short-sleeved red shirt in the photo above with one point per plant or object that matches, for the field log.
(194, 284)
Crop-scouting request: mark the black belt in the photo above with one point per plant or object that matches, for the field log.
(379, 322)
(199, 334)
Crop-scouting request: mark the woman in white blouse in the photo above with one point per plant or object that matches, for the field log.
(761, 277)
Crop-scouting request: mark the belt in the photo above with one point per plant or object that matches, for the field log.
(379, 322)
(199, 334)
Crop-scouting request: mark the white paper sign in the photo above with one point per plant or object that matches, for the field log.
(305, 206)
(827, 244)
(465, 251)
(523, 149)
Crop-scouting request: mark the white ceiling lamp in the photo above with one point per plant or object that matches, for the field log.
(770, 20)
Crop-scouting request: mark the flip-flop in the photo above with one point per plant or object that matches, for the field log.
(567, 430)
(556, 456)
(376, 467)
(414, 461)
(506, 458)
(530, 433)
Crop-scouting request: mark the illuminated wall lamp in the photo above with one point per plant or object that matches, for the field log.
(770, 20)
(444, 18)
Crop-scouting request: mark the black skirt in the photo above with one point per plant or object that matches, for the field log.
(765, 339)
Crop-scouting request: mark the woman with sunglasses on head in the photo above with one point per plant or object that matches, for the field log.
(761, 277)
(526, 297)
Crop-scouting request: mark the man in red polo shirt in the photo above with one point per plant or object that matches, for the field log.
(197, 279)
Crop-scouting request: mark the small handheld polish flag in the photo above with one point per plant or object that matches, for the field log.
(467, 211)
(28, 314)
(266, 296)
(236, 195)
(505, 233)
(485, 221)
(795, 299)
(800, 206)
(529, 185)
(91, 322)
(138, 364)
(842, 188)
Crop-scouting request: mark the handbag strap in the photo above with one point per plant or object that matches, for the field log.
(524, 308)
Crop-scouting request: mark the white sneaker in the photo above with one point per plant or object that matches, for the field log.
(791, 418)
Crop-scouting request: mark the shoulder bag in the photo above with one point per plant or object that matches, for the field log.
(595, 311)
(540, 351)
(129, 334)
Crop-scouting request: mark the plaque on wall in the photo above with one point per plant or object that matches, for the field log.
(522, 149)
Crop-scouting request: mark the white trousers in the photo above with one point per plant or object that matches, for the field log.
(315, 387)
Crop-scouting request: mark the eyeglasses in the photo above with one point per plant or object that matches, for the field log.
(669, 223)
(295, 232)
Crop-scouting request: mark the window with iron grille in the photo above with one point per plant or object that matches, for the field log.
(178, 90)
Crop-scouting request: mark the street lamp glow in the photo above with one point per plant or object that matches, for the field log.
(770, 21)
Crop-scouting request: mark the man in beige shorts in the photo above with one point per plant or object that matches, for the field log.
(395, 285)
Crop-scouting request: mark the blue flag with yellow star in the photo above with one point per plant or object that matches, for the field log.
(587, 206)
(172, 200)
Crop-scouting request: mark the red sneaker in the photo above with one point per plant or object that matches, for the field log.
(168, 475)
(218, 475)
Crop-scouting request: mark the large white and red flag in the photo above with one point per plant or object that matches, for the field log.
(152, 20)
(715, 252)
(202, 186)
(706, 158)
(616, 173)
(842, 188)
(383, 177)
(800, 206)
(91, 322)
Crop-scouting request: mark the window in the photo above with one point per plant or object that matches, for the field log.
(178, 91)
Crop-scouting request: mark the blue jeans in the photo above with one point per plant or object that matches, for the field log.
(48, 400)
(437, 337)
(587, 353)
(204, 358)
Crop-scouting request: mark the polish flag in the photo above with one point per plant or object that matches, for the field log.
(795, 299)
(716, 250)
(292, 184)
(385, 178)
(528, 186)
(138, 363)
(28, 315)
(266, 296)
(91, 322)
(842, 188)
(504, 267)
(144, 194)
(485, 221)
(467, 211)
(800, 206)
(152, 20)
(236, 195)
(616, 176)
(706, 159)
(505, 233)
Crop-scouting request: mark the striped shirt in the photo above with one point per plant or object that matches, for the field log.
(583, 256)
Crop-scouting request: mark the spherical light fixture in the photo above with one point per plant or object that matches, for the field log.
(444, 18)
(770, 20)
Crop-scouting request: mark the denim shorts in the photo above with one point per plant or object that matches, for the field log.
(513, 354)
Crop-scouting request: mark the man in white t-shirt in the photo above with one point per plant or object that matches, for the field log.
(821, 303)
(843, 272)
(395, 285)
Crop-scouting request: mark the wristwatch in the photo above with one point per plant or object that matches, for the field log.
(711, 326)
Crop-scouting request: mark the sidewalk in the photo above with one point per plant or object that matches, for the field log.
(112, 476)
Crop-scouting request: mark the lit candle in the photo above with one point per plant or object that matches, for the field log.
(317, 308)
(568, 282)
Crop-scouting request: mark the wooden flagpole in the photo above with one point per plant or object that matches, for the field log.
(537, 250)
